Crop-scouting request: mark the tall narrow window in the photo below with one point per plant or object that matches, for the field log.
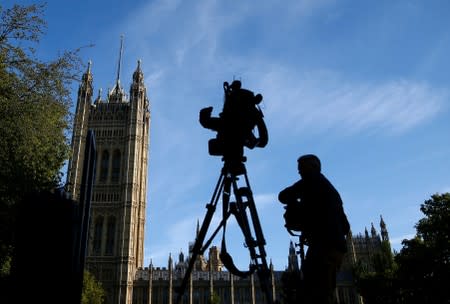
(110, 235)
(98, 228)
(115, 174)
(104, 166)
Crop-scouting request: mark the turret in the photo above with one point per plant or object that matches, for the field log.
(373, 232)
(138, 91)
(85, 89)
(138, 76)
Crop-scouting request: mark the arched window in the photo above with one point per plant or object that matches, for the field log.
(115, 174)
(104, 166)
(110, 235)
(98, 228)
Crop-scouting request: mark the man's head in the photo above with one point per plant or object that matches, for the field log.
(308, 165)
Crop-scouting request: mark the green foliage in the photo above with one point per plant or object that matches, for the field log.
(34, 111)
(215, 299)
(93, 292)
(34, 106)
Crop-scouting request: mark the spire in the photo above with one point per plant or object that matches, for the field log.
(117, 93)
(373, 232)
(181, 257)
(384, 232)
(86, 80)
(120, 61)
(198, 228)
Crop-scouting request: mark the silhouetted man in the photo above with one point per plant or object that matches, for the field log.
(323, 224)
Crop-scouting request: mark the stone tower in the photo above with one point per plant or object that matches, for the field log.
(116, 232)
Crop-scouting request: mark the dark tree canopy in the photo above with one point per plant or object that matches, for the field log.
(434, 228)
(34, 112)
(424, 261)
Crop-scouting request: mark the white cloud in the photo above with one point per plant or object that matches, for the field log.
(322, 101)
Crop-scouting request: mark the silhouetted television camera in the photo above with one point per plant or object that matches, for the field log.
(236, 123)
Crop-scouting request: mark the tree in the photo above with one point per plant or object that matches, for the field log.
(93, 292)
(34, 111)
(424, 261)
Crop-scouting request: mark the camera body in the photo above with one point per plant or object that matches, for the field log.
(235, 124)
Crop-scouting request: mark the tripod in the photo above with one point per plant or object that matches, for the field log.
(243, 206)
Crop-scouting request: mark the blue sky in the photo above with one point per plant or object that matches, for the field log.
(361, 84)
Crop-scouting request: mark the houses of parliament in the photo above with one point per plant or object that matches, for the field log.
(115, 252)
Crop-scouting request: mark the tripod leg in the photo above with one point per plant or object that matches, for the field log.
(258, 256)
(263, 270)
(197, 249)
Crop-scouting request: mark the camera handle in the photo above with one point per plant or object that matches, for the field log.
(242, 208)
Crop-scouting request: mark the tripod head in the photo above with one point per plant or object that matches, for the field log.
(234, 166)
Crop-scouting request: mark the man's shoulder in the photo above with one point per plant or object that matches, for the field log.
(326, 182)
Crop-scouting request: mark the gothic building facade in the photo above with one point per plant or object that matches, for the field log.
(121, 128)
